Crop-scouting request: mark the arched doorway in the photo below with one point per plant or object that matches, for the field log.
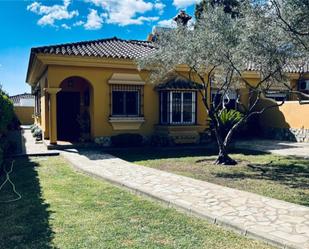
(73, 110)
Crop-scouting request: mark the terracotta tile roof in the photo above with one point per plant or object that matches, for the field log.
(128, 49)
(289, 68)
(110, 48)
(118, 49)
(178, 83)
(16, 98)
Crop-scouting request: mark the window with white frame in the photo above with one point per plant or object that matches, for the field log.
(177, 107)
(126, 100)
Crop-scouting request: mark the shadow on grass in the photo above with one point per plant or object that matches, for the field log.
(291, 172)
(142, 154)
(24, 223)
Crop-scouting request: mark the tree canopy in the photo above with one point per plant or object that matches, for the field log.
(221, 47)
(229, 6)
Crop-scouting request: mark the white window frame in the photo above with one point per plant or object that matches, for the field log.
(170, 103)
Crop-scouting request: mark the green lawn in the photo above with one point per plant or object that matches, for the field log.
(285, 178)
(61, 208)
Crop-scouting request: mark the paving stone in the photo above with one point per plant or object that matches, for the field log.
(273, 220)
(284, 148)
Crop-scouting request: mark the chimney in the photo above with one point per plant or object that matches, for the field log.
(182, 18)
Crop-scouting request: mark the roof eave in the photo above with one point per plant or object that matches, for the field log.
(86, 61)
(35, 69)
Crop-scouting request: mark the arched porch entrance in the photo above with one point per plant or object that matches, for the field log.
(74, 110)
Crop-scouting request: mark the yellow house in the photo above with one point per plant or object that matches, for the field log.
(99, 79)
(94, 88)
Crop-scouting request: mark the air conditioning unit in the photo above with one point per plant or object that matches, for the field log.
(304, 85)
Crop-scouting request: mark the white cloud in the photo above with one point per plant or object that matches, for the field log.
(65, 26)
(125, 12)
(169, 23)
(78, 23)
(184, 3)
(94, 21)
(52, 13)
(160, 7)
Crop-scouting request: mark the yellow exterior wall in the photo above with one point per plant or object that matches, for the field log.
(99, 109)
(24, 114)
(290, 115)
(100, 98)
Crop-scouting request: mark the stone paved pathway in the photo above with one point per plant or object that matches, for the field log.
(28, 145)
(283, 148)
(277, 222)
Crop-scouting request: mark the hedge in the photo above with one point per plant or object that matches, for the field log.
(6, 117)
(6, 111)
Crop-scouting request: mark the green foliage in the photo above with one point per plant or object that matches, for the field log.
(33, 128)
(6, 116)
(127, 140)
(1, 156)
(7, 147)
(15, 123)
(6, 111)
(37, 133)
(228, 118)
(229, 6)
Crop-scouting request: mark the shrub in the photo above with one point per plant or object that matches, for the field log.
(15, 123)
(228, 118)
(6, 111)
(6, 116)
(127, 140)
(1, 157)
(33, 128)
(37, 134)
(7, 147)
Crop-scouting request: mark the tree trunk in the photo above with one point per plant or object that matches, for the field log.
(224, 158)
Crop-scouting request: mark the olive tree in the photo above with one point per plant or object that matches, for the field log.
(218, 51)
(229, 6)
(293, 18)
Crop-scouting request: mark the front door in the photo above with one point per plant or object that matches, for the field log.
(68, 109)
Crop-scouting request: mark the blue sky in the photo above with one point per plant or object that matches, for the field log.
(26, 24)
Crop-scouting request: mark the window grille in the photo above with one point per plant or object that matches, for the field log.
(177, 107)
(38, 103)
(126, 100)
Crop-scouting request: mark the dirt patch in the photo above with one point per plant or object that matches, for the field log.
(207, 162)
